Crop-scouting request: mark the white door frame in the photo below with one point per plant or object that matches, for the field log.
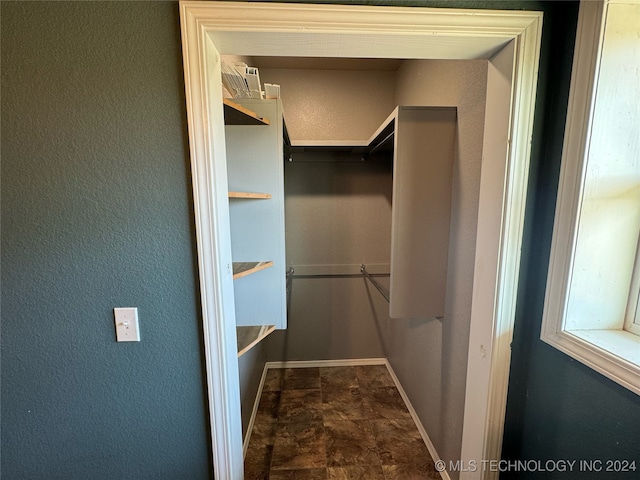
(213, 28)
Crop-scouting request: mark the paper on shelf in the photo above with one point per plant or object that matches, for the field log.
(272, 90)
(241, 80)
(234, 81)
(252, 77)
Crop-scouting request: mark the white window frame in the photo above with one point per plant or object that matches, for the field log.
(614, 352)
(632, 319)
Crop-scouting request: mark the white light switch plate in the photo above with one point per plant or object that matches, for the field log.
(126, 324)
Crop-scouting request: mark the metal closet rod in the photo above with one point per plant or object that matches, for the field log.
(363, 271)
(379, 145)
(380, 288)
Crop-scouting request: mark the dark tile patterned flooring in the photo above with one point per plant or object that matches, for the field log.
(335, 423)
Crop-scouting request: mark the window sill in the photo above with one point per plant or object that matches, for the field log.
(614, 353)
(624, 345)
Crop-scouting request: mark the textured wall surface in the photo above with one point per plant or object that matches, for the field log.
(96, 214)
(333, 104)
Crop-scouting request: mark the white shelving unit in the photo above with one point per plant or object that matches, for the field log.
(254, 141)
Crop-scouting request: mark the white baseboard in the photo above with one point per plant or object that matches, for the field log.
(423, 433)
(350, 362)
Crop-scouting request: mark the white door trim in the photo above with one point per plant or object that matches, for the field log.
(213, 28)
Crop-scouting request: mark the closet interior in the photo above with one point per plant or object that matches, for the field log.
(410, 153)
(340, 204)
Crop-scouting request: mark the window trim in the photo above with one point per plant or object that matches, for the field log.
(632, 316)
(597, 353)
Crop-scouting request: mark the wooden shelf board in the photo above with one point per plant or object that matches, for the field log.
(235, 114)
(379, 141)
(249, 337)
(242, 269)
(249, 195)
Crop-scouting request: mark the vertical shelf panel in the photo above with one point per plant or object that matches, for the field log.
(421, 210)
(255, 164)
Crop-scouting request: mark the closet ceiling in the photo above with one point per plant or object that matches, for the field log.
(326, 63)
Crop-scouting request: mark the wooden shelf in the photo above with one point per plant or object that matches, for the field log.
(235, 114)
(249, 195)
(381, 143)
(249, 337)
(242, 269)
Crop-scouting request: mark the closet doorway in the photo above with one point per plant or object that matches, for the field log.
(510, 40)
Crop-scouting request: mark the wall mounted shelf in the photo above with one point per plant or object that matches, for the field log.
(249, 195)
(235, 114)
(242, 269)
(381, 143)
(249, 337)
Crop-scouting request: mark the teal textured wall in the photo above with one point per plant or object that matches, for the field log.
(96, 213)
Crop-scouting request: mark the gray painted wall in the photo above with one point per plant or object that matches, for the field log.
(335, 214)
(430, 356)
(333, 104)
(97, 213)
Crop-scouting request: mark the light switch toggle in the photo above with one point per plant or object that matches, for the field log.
(126, 320)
